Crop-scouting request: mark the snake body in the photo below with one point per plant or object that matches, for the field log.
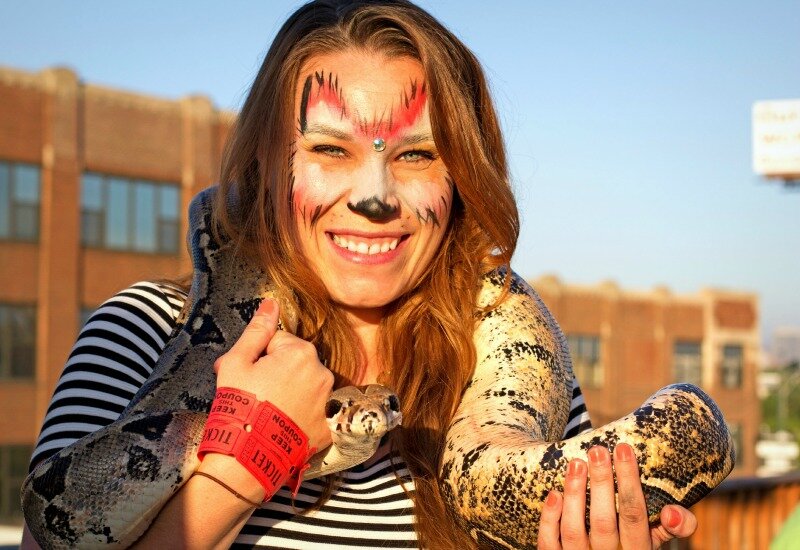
(503, 454)
(502, 451)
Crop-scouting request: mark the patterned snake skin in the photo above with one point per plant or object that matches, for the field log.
(502, 454)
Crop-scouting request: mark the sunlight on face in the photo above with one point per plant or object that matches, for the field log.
(372, 197)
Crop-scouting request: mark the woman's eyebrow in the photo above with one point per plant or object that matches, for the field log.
(415, 138)
(327, 131)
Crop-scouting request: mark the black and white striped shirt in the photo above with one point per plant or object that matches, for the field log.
(113, 356)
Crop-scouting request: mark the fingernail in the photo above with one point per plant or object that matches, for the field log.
(552, 499)
(624, 452)
(267, 307)
(575, 467)
(598, 456)
(672, 517)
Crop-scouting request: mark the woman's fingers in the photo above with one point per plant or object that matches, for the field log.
(257, 334)
(573, 518)
(603, 510)
(676, 521)
(563, 518)
(634, 529)
(550, 522)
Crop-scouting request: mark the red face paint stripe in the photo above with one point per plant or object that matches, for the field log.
(327, 92)
(409, 109)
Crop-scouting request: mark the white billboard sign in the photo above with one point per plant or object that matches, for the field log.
(776, 138)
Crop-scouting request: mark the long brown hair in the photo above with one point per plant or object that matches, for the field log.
(426, 335)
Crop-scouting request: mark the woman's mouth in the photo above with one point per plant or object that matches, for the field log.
(365, 246)
(366, 249)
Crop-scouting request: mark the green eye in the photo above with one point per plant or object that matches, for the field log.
(418, 156)
(330, 150)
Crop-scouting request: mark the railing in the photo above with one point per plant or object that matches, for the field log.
(743, 513)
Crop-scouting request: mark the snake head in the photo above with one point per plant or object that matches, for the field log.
(363, 413)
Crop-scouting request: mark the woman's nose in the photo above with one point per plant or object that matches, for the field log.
(373, 209)
(373, 196)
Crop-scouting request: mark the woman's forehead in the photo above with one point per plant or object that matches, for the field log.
(363, 74)
(368, 94)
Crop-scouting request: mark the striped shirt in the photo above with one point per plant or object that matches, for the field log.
(116, 352)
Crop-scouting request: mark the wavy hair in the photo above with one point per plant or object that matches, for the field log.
(426, 335)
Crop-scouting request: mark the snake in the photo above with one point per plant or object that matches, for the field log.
(502, 452)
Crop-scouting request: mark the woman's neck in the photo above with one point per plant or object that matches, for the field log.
(366, 324)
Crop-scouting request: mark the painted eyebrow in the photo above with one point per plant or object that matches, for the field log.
(415, 138)
(327, 131)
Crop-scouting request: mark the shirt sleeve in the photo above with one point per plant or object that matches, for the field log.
(112, 358)
(578, 421)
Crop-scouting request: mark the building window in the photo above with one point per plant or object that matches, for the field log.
(687, 363)
(586, 364)
(19, 201)
(17, 342)
(132, 215)
(13, 470)
(732, 366)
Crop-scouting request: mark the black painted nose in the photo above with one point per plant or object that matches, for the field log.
(373, 209)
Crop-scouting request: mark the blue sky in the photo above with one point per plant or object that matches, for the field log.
(627, 123)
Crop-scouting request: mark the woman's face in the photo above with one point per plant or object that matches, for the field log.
(371, 195)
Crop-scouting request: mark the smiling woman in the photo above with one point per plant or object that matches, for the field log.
(366, 178)
(371, 193)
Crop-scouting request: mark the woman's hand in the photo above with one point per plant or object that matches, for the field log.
(280, 368)
(563, 516)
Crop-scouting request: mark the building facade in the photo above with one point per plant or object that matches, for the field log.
(94, 184)
(626, 345)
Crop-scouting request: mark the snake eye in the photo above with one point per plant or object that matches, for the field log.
(394, 404)
(332, 407)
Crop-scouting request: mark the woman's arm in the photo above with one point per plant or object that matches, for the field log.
(113, 355)
(277, 367)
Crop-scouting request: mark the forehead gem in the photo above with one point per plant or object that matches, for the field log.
(378, 144)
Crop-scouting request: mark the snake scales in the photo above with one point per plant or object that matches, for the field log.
(502, 453)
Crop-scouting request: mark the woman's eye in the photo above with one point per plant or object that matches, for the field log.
(418, 156)
(330, 150)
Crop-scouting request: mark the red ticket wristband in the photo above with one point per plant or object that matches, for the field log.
(260, 436)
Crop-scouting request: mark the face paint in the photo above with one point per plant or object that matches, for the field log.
(324, 88)
(369, 220)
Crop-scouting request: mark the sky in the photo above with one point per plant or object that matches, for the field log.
(628, 123)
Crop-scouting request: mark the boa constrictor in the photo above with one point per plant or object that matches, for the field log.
(502, 453)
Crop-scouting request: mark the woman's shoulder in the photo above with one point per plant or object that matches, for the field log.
(113, 355)
(158, 297)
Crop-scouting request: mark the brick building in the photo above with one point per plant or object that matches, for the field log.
(626, 345)
(93, 186)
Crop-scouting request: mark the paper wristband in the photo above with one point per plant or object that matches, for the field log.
(260, 436)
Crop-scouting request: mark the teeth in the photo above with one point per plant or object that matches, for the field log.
(365, 248)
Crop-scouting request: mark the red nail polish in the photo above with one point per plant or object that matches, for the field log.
(673, 518)
(575, 467)
(597, 456)
(267, 306)
(552, 499)
(625, 452)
